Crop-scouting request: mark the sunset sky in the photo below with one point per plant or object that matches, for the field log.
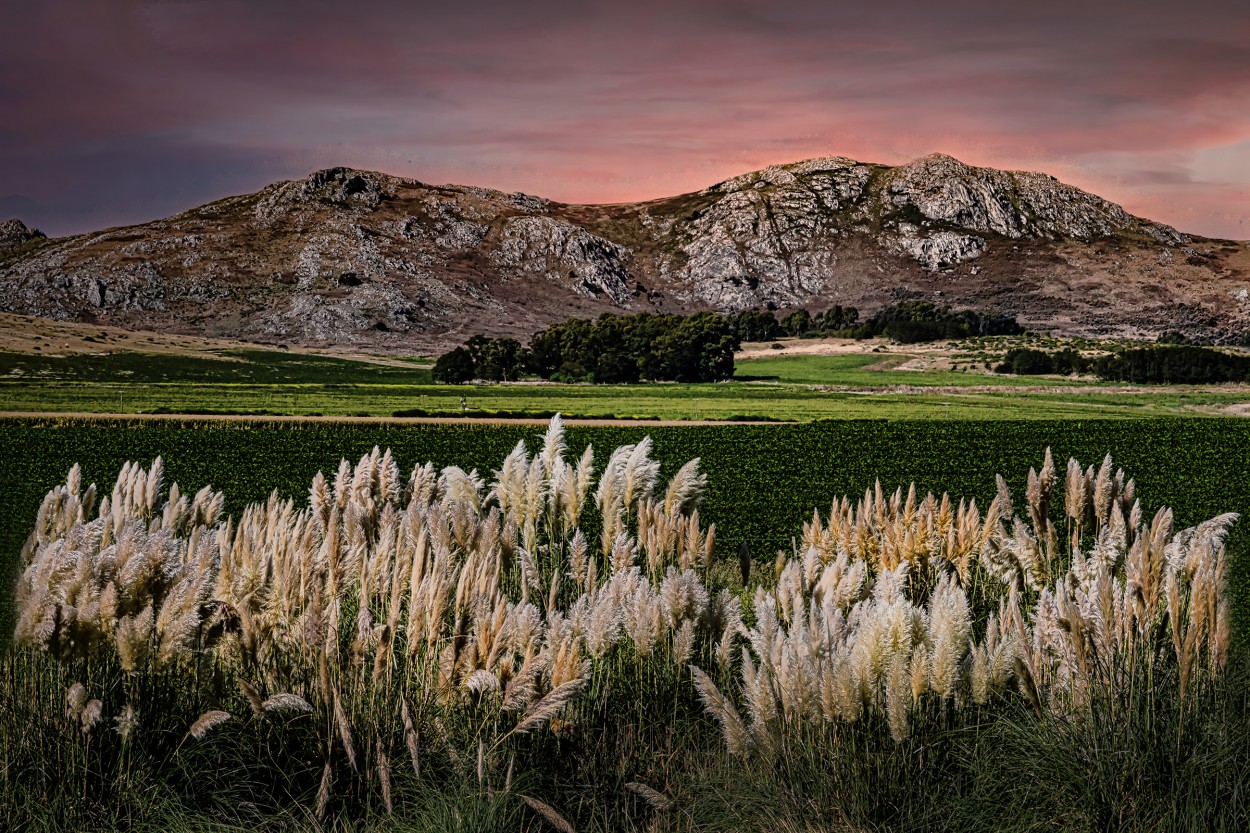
(117, 112)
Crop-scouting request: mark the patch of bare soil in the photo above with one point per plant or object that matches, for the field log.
(806, 347)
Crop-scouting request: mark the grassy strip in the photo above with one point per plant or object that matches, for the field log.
(723, 401)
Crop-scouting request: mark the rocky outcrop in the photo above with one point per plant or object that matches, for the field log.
(766, 237)
(14, 233)
(359, 256)
(937, 249)
(564, 254)
(1011, 204)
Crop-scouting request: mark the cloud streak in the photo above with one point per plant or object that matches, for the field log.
(122, 111)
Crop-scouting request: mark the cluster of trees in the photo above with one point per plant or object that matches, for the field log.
(763, 325)
(631, 348)
(908, 322)
(1153, 364)
(1026, 361)
(491, 359)
(609, 349)
(693, 348)
(1174, 365)
(911, 322)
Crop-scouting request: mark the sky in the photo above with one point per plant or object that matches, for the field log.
(123, 111)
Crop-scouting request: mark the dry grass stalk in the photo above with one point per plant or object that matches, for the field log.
(345, 732)
(286, 703)
(252, 695)
(384, 776)
(655, 800)
(207, 722)
(323, 792)
(543, 710)
(549, 814)
(90, 716)
(411, 739)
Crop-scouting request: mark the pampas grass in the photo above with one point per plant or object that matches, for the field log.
(482, 625)
(877, 613)
(385, 605)
(549, 814)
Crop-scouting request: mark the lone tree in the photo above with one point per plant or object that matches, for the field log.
(454, 367)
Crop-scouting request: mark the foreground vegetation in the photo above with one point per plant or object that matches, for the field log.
(557, 646)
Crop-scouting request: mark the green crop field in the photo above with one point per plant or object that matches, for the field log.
(723, 401)
(763, 480)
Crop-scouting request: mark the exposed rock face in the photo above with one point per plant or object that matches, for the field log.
(1011, 204)
(939, 249)
(770, 236)
(14, 233)
(359, 256)
(564, 254)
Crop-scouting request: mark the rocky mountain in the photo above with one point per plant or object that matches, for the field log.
(347, 256)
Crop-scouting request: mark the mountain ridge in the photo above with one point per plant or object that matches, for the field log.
(364, 257)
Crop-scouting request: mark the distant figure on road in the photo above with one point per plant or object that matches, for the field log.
(464, 407)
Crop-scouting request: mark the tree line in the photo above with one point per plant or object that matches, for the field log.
(614, 349)
(620, 349)
(1164, 364)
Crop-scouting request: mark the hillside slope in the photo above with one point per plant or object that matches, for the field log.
(364, 258)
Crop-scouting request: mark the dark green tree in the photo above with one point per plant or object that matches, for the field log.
(699, 349)
(501, 360)
(454, 367)
(755, 325)
(797, 323)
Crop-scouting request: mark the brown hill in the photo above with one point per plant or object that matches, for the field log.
(357, 257)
